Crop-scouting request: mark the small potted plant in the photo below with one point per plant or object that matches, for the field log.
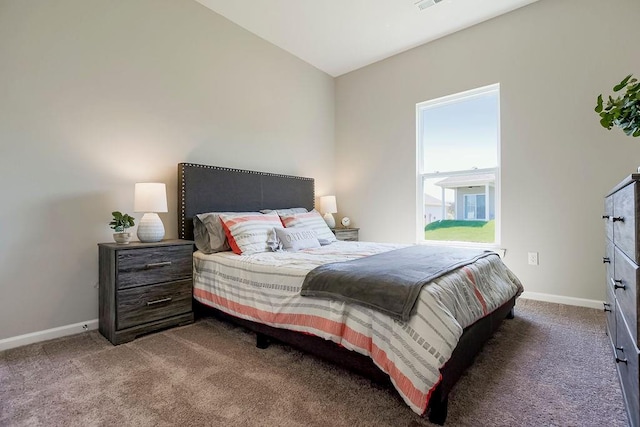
(120, 223)
(623, 111)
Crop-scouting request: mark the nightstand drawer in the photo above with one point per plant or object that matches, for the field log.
(346, 235)
(153, 265)
(154, 302)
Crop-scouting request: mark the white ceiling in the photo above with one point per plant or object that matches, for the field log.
(338, 36)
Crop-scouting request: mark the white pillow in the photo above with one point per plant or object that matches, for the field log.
(248, 233)
(311, 220)
(294, 239)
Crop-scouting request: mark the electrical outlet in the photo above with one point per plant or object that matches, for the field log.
(533, 258)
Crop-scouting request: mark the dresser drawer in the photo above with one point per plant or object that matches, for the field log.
(144, 266)
(144, 304)
(608, 259)
(625, 280)
(627, 364)
(608, 213)
(624, 227)
(610, 309)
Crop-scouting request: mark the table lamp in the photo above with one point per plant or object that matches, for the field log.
(150, 198)
(328, 206)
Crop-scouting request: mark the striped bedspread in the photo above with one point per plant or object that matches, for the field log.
(265, 288)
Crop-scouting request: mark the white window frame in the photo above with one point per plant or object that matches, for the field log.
(421, 175)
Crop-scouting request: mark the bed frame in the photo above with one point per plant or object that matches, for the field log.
(204, 188)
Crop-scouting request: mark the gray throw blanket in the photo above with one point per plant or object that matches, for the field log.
(389, 282)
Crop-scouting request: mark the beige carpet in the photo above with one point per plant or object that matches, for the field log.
(548, 366)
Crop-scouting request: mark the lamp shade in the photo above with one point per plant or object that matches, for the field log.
(328, 204)
(150, 197)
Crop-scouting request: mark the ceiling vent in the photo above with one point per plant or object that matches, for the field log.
(423, 4)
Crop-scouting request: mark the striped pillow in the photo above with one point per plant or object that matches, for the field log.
(311, 220)
(209, 234)
(248, 233)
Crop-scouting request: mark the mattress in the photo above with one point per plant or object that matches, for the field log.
(265, 288)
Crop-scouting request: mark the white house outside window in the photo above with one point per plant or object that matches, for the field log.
(458, 167)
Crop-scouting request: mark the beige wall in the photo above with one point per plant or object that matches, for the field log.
(97, 95)
(552, 59)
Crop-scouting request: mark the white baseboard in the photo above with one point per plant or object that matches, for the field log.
(89, 325)
(48, 334)
(559, 299)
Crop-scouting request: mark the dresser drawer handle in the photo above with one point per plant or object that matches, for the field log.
(158, 264)
(158, 301)
(606, 260)
(607, 307)
(618, 360)
(615, 284)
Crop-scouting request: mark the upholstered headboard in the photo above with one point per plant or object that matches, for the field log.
(204, 188)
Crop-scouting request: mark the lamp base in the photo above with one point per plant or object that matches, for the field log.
(330, 220)
(150, 228)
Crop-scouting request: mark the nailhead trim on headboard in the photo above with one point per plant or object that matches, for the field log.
(182, 184)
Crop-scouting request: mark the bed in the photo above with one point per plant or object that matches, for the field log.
(382, 348)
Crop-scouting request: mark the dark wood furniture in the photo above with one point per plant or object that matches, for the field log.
(144, 287)
(204, 188)
(622, 215)
(347, 234)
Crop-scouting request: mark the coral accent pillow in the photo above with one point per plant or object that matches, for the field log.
(248, 233)
(311, 220)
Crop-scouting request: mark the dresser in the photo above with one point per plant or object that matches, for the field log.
(144, 287)
(622, 222)
(347, 234)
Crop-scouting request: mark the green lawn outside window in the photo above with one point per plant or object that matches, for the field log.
(461, 231)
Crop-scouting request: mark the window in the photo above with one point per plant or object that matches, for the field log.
(458, 167)
(474, 206)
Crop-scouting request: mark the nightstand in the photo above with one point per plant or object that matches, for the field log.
(350, 234)
(144, 287)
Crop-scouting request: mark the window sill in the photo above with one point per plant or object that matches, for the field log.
(471, 245)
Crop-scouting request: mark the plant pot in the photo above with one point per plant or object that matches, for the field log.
(122, 238)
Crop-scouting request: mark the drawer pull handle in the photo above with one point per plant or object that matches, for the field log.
(158, 264)
(613, 218)
(615, 284)
(158, 301)
(607, 307)
(618, 360)
(606, 260)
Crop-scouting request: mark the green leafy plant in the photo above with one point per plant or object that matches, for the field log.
(121, 222)
(623, 111)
